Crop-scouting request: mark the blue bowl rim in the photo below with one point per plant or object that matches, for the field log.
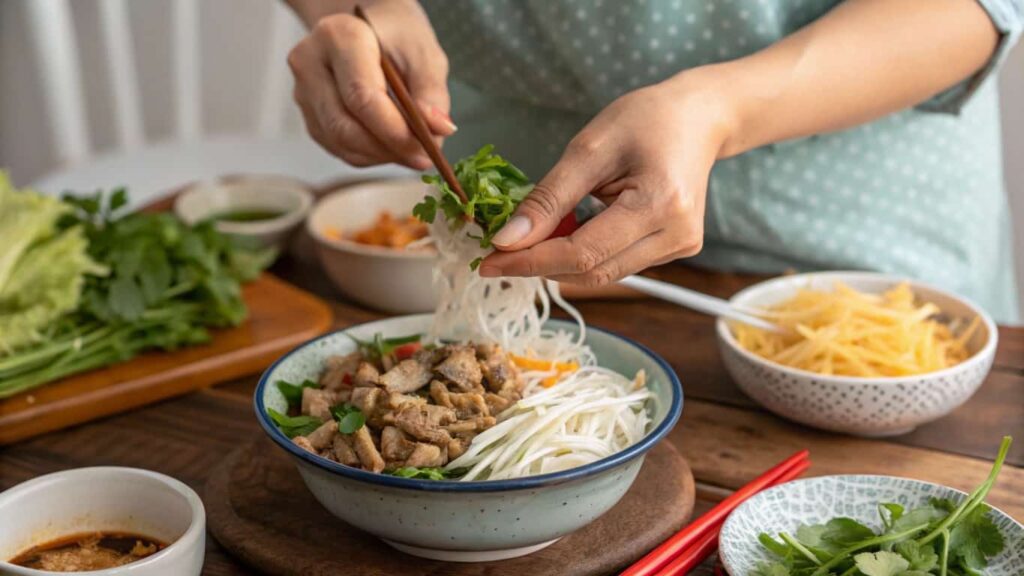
(617, 459)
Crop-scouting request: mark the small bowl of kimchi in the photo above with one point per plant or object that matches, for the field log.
(861, 352)
(373, 249)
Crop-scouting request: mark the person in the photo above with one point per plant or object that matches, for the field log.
(748, 135)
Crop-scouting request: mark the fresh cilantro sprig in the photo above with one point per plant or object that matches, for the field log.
(940, 538)
(428, 473)
(493, 186)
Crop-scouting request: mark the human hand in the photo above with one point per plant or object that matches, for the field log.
(647, 156)
(341, 90)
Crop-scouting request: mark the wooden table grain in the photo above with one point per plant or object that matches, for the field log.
(726, 438)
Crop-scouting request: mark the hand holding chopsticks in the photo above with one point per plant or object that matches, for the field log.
(695, 542)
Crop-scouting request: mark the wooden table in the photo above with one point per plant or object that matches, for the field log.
(726, 438)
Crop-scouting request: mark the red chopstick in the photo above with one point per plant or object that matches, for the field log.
(690, 557)
(658, 558)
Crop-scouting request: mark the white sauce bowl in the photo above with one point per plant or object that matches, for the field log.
(105, 499)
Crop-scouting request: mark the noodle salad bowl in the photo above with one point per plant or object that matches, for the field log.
(864, 406)
(471, 521)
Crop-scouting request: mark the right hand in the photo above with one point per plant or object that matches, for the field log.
(340, 86)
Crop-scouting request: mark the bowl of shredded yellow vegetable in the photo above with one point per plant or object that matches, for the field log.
(859, 352)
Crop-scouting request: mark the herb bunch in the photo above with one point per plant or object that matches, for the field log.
(493, 187)
(165, 284)
(938, 538)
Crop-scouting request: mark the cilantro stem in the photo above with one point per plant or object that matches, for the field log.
(975, 498)
(842, 555)
(800, 548)
(945, 553)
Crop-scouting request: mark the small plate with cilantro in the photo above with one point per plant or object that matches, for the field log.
(864, 525)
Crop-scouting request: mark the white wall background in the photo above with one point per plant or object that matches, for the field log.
(233, 49)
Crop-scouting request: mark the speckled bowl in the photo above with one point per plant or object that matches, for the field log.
(817, 500)
(471, 521)
(862, 406)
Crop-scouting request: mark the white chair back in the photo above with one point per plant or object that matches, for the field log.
(53, 36)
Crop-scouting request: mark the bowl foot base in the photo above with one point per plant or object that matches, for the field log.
(468, 555)
(886, 433)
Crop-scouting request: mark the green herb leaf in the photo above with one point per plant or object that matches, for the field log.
(895, 513)
(380, 346)
(421, 473)
(975, 539)
(293, 392)
(881, 563)
(772, 569)
(293, 426)
(921, 557)
(349, 418)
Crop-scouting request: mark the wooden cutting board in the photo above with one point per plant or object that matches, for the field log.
(281, 316)
(259, 509)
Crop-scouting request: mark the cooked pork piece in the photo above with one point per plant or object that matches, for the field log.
(368, 455)
(457, 447)
(425, 421)
(439, 394)
(497, 404)
(323, 436)
(333, 377)
(427, 455)
(461, 368)
(317, 402)
(478, 424)
(343, 451)
(395, 445)
(366, 399)
(429, 355)
(468, 405)
(303, 442)
(366, 375)
(396, 400)
(408, 376)
(497, 367)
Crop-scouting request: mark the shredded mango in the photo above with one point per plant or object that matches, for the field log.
(562, 368)
(851, 333)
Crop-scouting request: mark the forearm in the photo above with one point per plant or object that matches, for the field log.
(864, 59)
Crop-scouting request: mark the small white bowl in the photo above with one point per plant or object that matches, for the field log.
(393, 280)
(816, 500)
(863, 406)
(105, 499)
(289, 197)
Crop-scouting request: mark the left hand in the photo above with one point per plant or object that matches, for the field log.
(647, 156)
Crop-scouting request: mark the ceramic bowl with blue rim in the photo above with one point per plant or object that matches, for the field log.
(480, 520)
(873, 407)
(785, 507)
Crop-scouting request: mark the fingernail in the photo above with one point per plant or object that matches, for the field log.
(489, 272)
(446, 119)
(513, 231)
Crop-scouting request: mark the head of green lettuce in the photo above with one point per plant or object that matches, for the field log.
(42, 266)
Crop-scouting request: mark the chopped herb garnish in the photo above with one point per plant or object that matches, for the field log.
(428, 473)
(938, 538)
(293, 426)
(293, 392)
(349, 418)
(380, 346)
(493, 187)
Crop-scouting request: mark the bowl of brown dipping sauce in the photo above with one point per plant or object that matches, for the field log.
(102, 521)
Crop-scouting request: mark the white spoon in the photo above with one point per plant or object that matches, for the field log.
(697, 301)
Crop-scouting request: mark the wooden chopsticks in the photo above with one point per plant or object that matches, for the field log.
(695, 542)
(412, 114)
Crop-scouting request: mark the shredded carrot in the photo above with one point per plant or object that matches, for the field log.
(333, 233)
(562, 368)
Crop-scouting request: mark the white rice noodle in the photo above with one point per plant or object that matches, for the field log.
(587, 415)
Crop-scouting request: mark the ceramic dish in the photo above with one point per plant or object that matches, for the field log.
(106, 499)
(471, 521)
(817, 500)
(393, 280)
(862, 406)
(290, 198)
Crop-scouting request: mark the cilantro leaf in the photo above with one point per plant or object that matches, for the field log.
(770, 569)
(293, 392)
(881, 563)
(895, 512)
(349, 418)
(975, 538)
(293, 426)
(380, 346)
(422, 473)
(920, 556)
